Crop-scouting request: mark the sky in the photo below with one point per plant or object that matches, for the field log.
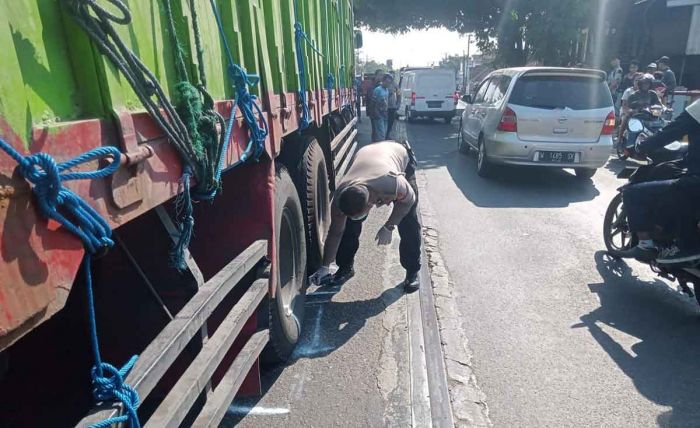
(415, 48)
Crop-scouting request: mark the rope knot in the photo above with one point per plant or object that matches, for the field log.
(109, 385)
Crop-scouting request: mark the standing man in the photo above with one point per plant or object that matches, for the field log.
(358, 97)
(382, 173)
(628, 80)
(669, 77)
(380, 108)
(614, 81)
(393, 106)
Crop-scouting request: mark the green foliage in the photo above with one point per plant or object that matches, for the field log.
(516, 31)
(452, 61)
(369, 66)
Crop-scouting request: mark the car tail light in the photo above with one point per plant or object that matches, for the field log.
(413, 98)
(456, 97)
(609, 125)
(509, 121)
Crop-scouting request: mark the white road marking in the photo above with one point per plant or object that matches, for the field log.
(238, 409)
(315, 347)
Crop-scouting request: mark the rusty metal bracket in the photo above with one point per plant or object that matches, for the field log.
(126, 186)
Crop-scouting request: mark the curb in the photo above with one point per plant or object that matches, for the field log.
(469, 408)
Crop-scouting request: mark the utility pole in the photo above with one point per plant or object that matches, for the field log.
(466, 68)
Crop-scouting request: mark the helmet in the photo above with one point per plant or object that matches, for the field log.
(647, 78)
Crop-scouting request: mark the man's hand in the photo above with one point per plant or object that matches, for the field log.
(321, 275)
(384, 236)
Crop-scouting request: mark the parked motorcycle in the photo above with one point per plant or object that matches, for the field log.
(643, 124)
(616, 231)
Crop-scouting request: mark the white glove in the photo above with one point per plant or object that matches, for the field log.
(320, 275)
(384, 236)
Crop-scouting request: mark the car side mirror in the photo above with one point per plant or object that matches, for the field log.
(467, 98)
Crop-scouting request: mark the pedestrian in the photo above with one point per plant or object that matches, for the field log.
(381, 174)
(628, 79)
(651, 68)
(669, 77)
(369, 96)
(393, 106)
(358, 97)
(614, 81)
(379, 111)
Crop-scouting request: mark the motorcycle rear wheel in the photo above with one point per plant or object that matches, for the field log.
(616, 231)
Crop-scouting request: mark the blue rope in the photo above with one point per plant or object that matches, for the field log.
(330, 84)
(246, 103)
(47, 177)
(300, 39)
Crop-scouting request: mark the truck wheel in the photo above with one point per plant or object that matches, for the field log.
(286, 309)
(316, 209)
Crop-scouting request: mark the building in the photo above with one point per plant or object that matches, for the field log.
(645, 30)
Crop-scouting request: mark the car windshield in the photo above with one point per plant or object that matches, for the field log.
(551, 92)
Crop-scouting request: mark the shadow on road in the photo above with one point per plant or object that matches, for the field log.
(511, 187)
(663, 365)
(333, 324)
(327, 327)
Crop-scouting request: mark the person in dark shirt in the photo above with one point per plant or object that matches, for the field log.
(669, 77)
(677, 197)
(645, 96)
(628, 79)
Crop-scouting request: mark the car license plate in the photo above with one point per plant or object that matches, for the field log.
(557, 157)
(434, 104)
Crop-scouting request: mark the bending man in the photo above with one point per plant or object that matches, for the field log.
(382, 173)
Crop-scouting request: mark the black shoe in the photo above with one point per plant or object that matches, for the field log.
(640, 253)
(411, 283)
(673, 255)
(342, 276)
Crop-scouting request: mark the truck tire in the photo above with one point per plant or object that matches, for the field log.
(286, 308)
(316, 207)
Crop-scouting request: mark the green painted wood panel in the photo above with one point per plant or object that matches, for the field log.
(36, 82)
(45, 54)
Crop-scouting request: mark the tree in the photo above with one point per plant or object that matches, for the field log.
(516, 31)
(452, 61)
(369, 66)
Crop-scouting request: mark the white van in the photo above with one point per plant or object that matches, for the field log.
(428, 92)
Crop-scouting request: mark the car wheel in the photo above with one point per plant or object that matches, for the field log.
(409, 117)
(462, 146)
(483, 167)
(585, 173)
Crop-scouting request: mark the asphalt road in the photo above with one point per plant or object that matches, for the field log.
(561, 335)
(353, 365)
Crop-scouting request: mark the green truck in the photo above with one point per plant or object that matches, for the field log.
(183, 152)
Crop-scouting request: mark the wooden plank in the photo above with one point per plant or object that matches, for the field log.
(215, 409)
(173, 409)
(338, 138)
(342, 153)
(167, 346)
(345, 166)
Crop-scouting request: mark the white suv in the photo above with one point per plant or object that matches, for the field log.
(551, 117)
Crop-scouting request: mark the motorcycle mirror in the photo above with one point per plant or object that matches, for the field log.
(635, 125)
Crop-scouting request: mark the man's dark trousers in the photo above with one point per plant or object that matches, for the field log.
(390, 122)
(409, 232)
